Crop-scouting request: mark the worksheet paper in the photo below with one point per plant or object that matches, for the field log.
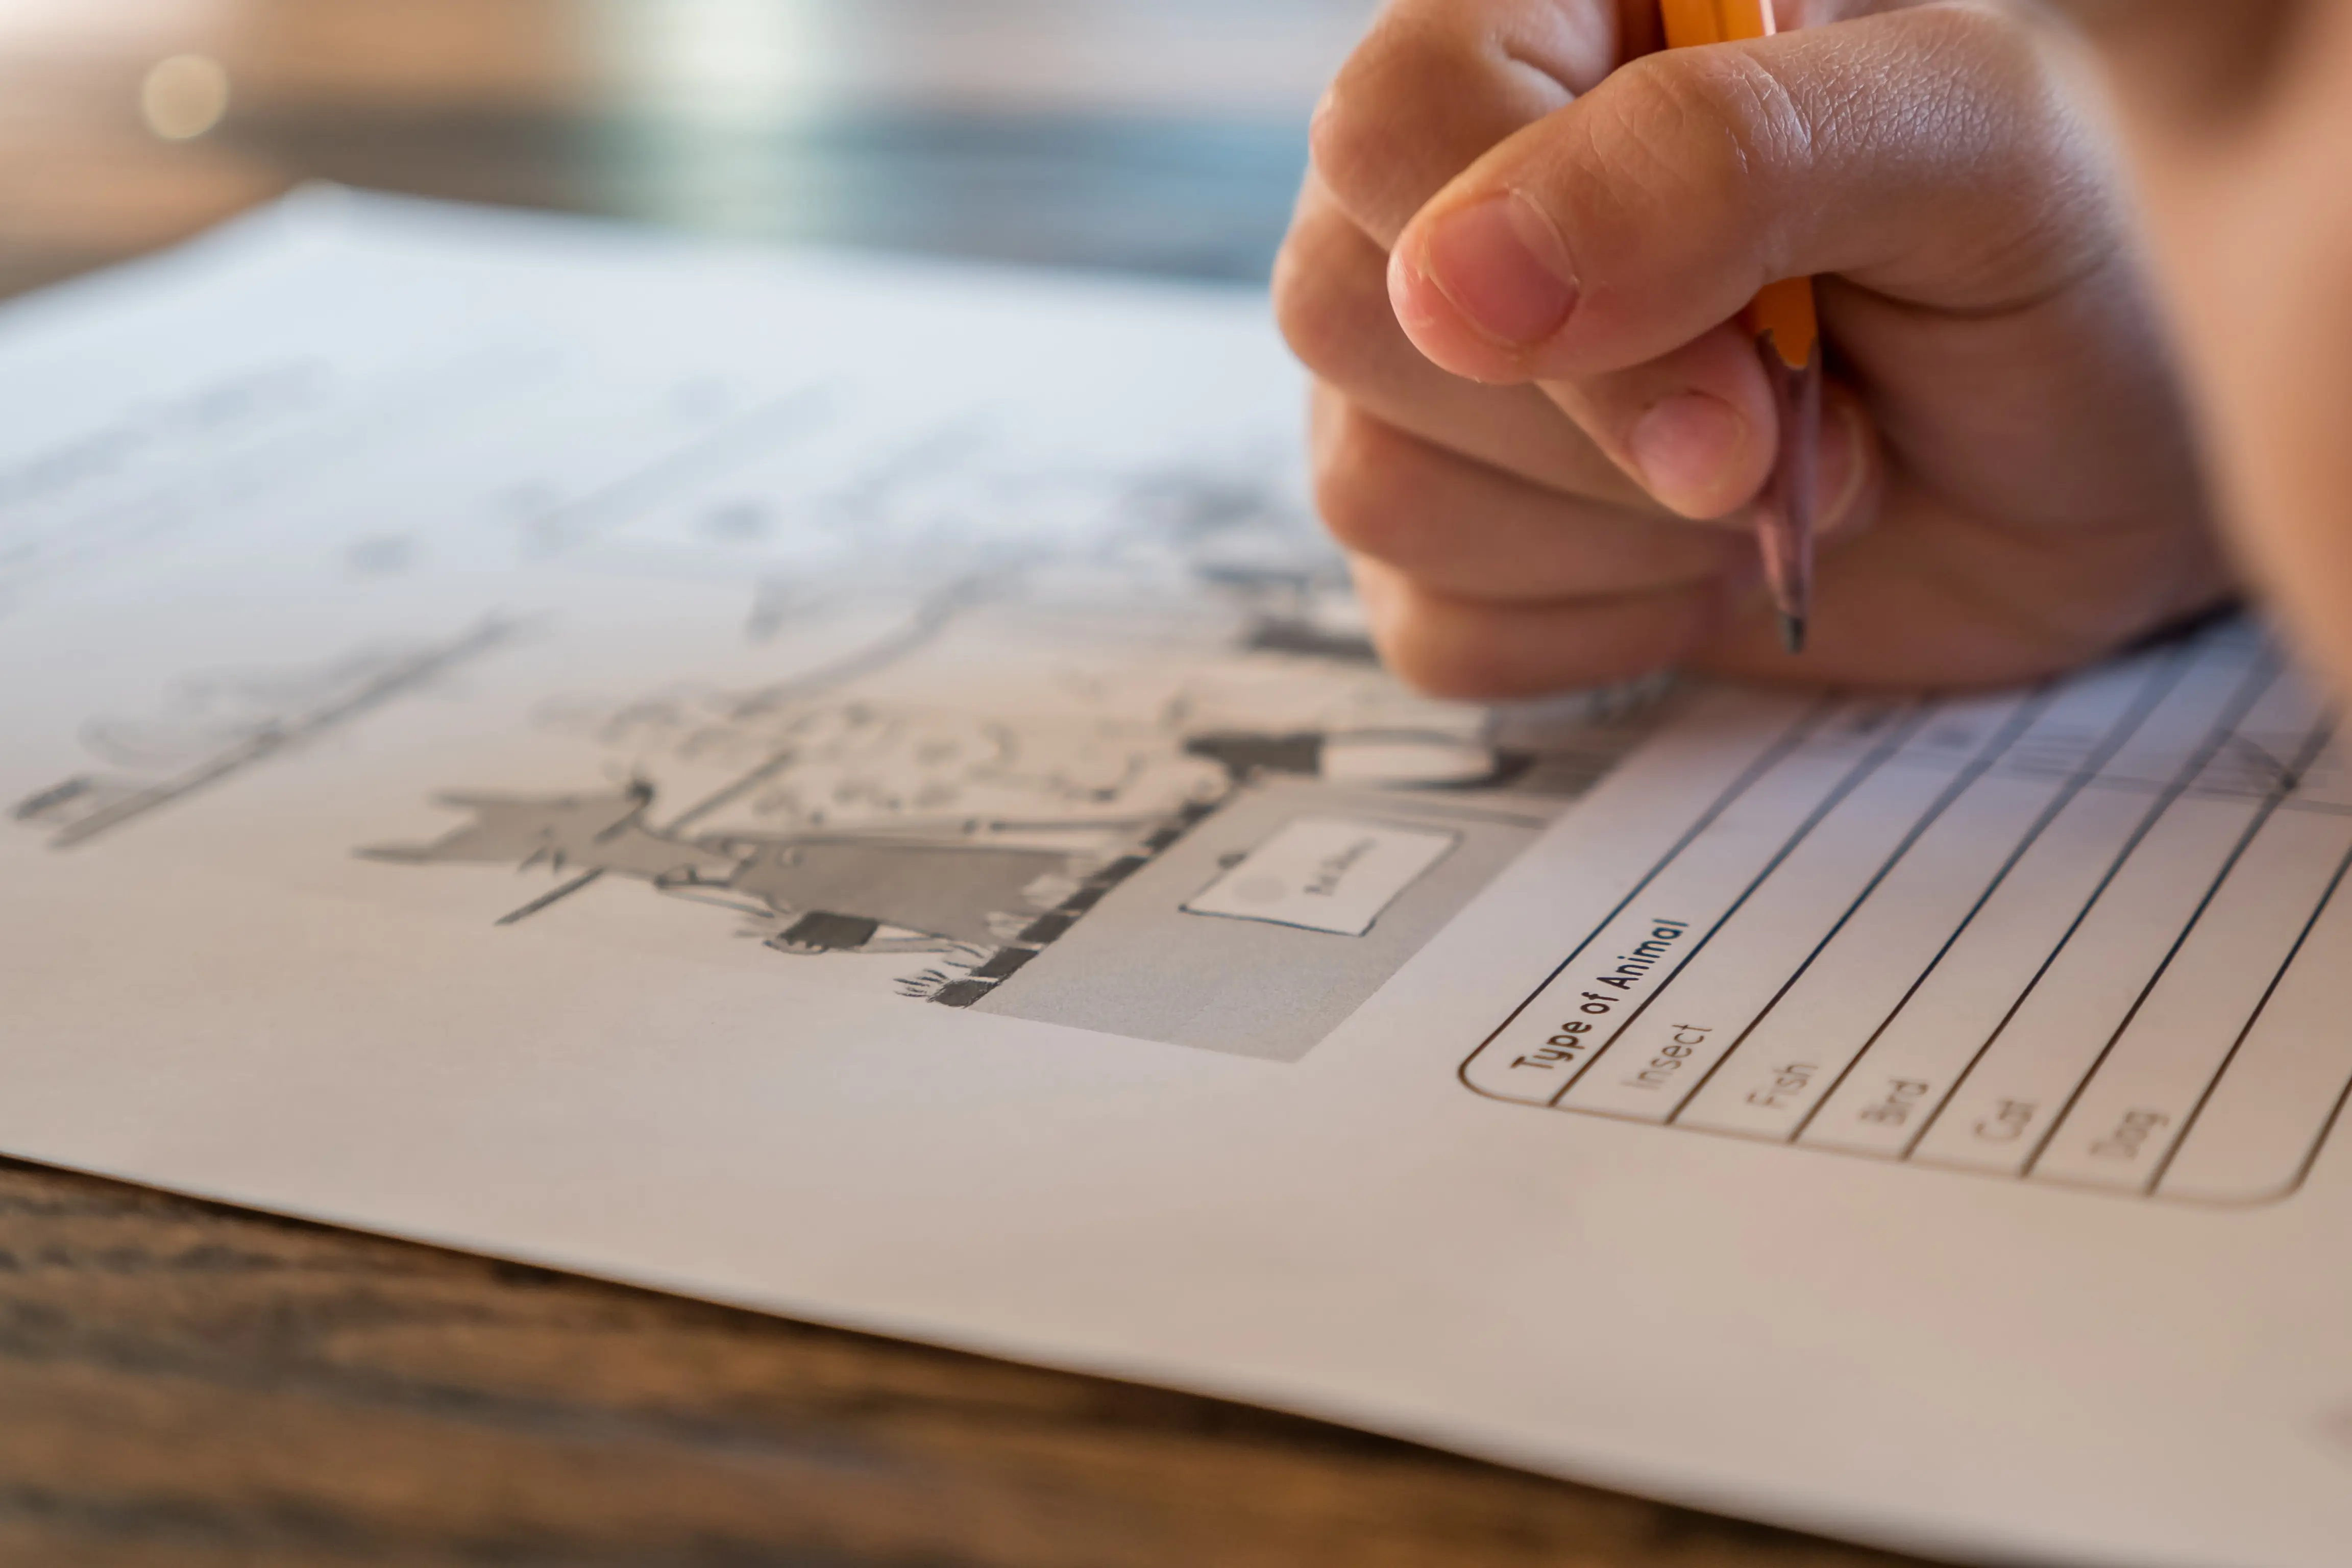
(854, 787)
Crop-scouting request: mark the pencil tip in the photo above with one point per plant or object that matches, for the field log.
(1792, 633)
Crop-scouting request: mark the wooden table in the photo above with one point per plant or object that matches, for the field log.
(186, 1384)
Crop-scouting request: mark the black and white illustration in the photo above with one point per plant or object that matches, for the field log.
(917, 699)
(1118, 756)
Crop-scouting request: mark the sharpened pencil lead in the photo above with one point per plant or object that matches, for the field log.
(1792, 632)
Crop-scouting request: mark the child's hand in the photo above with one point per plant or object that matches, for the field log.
(2009, 485)
(2239, 115)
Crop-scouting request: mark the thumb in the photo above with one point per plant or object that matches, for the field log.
(1929, 154)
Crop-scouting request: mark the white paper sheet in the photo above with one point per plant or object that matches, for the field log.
(856, 787)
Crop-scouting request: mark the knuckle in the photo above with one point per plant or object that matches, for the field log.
(1305, 303)
(1991, 36)
(1459, 651)
(1433, 85)
(1369, 121)
(1711, 127)
(1437, 647)
(2036, 167)
(1364, 488)
(1347, 146)
(1449, 654)
(1322, 300)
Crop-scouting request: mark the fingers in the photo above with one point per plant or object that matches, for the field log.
(1632, 220)
(1458, 528)
(1476, 650)
(1438, 83)
(1503, 548)
(1330, 299)
(1961, 600)
(1481, 587)
(1694, 428)
(1665, 430)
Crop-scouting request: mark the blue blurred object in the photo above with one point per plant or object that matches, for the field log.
(1203, 197)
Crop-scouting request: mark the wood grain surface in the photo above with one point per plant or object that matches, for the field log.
(184, 1383)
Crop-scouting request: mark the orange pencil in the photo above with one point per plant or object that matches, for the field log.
(1788, 335)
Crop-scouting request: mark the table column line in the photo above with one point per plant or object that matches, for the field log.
(2028, 711)
(2188, 928)
(1765, 762)
(2213, 1083)
(1872, 761)
(2318, 1144)
(2118, 736)
(2265, 672)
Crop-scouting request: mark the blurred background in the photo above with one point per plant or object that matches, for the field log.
(1160, 135)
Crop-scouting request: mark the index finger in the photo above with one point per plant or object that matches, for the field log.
(1931, 157)
(1436, 83)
